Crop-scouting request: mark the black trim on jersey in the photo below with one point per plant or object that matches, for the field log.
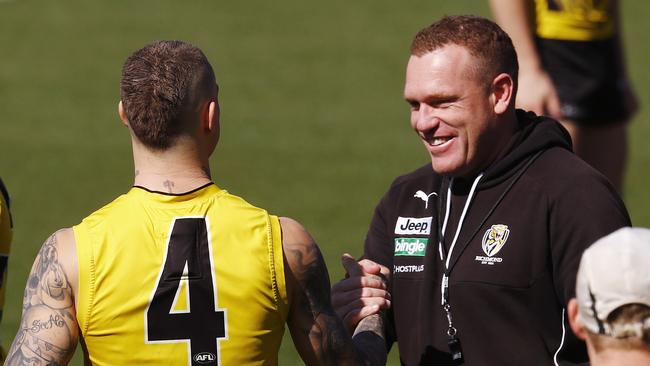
(552, 5)
(175, 194)
(5, 193)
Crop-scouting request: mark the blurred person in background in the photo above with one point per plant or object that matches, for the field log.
(572, 68)
(6, 226)
(611, 310)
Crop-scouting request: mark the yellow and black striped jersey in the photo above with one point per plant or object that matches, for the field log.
(574, 20)
(194, 279)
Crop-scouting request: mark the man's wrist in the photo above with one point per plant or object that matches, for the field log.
(369, 340)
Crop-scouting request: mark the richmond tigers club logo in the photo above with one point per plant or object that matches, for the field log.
(495, 238)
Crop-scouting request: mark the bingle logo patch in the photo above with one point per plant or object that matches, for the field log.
(411, 247)
(413, 225)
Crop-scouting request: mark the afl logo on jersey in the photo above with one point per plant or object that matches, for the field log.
(495, 238)
(205, 358)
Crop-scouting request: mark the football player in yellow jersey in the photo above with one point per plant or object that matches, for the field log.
(178, 271)
(6, 225)
(572, 68)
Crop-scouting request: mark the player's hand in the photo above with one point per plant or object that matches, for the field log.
(537, 93)
(363, 292)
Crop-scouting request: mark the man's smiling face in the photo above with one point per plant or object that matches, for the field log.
(452, 110)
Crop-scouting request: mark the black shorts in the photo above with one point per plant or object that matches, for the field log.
(587, 79)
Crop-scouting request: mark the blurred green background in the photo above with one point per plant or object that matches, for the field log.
(313, 122)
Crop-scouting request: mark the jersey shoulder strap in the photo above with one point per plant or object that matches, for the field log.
(5, 192)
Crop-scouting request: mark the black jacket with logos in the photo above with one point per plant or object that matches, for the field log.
(513, 267)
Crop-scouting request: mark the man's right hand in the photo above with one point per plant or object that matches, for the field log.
(362, 293)
(537, 93)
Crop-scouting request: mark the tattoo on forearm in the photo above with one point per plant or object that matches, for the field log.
(48, 333)
(372, 323)
(369, 339)
(324, 329)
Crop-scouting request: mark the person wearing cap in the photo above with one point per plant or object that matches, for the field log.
(611, 310)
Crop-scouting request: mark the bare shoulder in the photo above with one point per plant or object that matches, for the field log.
(48, 332)
(305, 268)
(66, 248)
(293, 233)
(301, 253)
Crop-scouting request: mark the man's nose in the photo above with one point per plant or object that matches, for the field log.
(426, 118)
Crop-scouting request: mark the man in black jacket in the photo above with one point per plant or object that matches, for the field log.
(483, 244)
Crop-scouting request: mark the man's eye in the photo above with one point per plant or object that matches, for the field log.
(414, 106)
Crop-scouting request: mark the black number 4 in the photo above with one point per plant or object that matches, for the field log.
(188, 258)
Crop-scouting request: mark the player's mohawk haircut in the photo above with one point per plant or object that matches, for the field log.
(158, 87)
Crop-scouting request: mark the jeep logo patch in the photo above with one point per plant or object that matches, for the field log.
(414, 247)
(413, 225)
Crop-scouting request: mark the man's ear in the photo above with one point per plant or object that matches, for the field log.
(211, 118)
(503, 88)
(120, 111)
(572, 313)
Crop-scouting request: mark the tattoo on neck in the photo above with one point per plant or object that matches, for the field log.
(137, 172)
(206, 170)
(169, 185)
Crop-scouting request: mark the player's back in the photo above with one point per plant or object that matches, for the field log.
(162, 274)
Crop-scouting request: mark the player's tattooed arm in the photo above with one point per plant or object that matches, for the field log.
(370, 340)
(318, 333)
(48, 331)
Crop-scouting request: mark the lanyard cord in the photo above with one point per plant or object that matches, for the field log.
(445, 278)
(444, 223)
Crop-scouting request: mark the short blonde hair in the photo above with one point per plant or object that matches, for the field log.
(626, 319)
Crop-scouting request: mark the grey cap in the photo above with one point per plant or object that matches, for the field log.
(614, 271)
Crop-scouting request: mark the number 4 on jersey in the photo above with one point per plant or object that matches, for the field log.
(188, 259)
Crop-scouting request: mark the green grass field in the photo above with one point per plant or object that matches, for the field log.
(314, 126)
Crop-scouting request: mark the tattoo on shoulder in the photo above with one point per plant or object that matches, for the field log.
(48, 331)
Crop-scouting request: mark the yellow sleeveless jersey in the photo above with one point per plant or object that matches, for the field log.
(574, 20)
(192, 279)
